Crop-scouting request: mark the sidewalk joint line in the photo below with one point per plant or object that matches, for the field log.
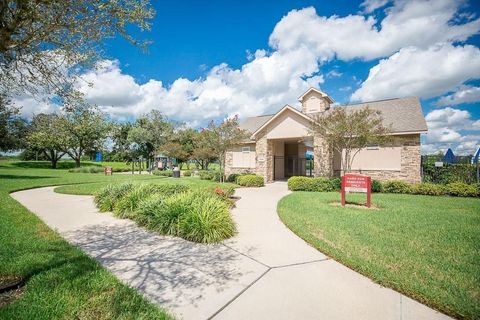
(246, 255)
(238, 294)
(300, 263)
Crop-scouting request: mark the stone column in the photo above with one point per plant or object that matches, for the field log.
(264, 158)
(322, 157)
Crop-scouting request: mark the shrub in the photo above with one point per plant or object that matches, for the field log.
(460, 189)
(298, 183)
(223, 191)
(87, 170)
(233, 177)
(187, 173)
(376, 186)
(205, 175)
(130, 201)
(336, 183)
(163, 173)
(319, 184)
(148, 209)
(106, 198)
(250, 180)
(170, 211)
(428, 189)
(207, 221)
(395, 186)
(215, 176)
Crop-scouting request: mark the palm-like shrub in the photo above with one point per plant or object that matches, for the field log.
(106, 198)
(207, 221)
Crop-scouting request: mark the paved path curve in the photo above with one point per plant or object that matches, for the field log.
(265, 272)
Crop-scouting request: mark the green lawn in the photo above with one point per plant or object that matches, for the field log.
(425, 247)
(61, 281)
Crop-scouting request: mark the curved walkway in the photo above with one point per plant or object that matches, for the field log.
(265, 272)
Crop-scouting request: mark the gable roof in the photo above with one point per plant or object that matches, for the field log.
(276, 115)
(323, 94)
(403, 114)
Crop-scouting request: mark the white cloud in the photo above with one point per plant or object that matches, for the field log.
(334, 74)
(371, 5)
(261, 86)
(407, 23)
(421, 72)
(464, 94)
(451, 128)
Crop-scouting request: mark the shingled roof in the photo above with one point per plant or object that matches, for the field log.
(402, 114)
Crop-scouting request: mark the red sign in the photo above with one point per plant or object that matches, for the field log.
(356, 183)
(108, 171)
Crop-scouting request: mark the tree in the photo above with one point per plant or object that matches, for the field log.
(223, 137)
(85, 129)
(47, 136)
(121, 146)
(13, 128)
(175, 150)
(45, 44)
(150, 132)
(349, 131)
(202, 153)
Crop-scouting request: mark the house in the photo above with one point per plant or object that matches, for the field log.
(280, 144)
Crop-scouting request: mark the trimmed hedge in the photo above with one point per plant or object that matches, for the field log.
(318, 184)
(163, 173)
(87, 170)
(187, 173)
(233, 177)
(210, 175)
(250, 180)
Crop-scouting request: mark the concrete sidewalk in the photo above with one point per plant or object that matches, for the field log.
(265, 272)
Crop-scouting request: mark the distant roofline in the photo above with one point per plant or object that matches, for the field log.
(341, 105)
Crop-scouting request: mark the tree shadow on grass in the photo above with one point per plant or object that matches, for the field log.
(18, 177)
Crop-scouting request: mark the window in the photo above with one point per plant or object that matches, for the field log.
(245, 149)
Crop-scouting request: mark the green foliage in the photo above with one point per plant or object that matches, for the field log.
(376, 186)
(459, 189)
(250, 180)
(86, 170)
(187, 173)
(336, 183)
(207, 221)
(394, 186)
(106, 198)
(223, 191)
(130, 201)
(466, 173)
(428, 189)
(209, 175)
(319, 184)
(215, 176)
(13, 128)
(233, 177)
(163, 173)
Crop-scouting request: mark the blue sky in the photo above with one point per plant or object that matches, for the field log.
(213, 59)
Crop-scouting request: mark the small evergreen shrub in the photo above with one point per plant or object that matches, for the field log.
(163, 173)
(298, 183)
(250, 180)
(233, 177)
(215, 176)
(319, 184)
(336, 183)
(106, 198)
(376, 186)
(205, 175)
(187, 173)
(395, 186)
(428, 189)
(460, 189)
(207, 221)
(92, 169)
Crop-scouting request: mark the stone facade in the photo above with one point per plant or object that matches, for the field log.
(322, 158)
(264, 157)
(410, 162)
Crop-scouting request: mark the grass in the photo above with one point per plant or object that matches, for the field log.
(62, 164)
(425, 247)
(61, 281)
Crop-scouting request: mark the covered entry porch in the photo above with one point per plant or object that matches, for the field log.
(292, 157)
